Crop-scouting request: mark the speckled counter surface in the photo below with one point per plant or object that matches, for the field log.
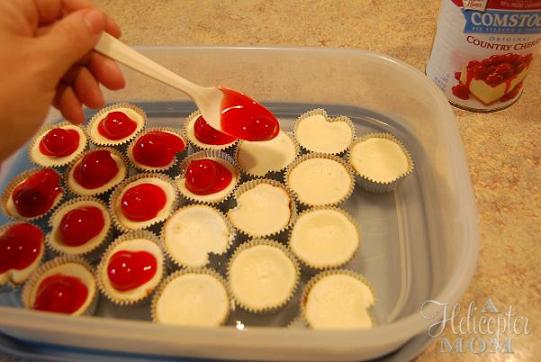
(503, 148)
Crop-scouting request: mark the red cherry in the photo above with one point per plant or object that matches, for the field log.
(80, 225)
(20, 245)
(96, 169)
(116, 126)
(246, 119)
(204, 177)
(461, 91)
(128, 270)
(60, 294)
(143, 202)
(458, 75)
(36, 195)
(494, 79)
(59, 142)
(157, 148)
(208, 135)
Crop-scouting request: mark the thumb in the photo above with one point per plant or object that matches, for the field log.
(71, 38)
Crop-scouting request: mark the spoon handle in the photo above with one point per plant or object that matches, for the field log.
(122, 53)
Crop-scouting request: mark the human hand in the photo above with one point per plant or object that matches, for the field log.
(46, 58)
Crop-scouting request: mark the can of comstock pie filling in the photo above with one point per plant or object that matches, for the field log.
(483, 50)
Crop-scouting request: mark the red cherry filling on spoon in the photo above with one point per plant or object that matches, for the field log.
(143, 202)
(157, 148)
(59, 142)
(128, 270)
(208, 135)
(116, 125)
(246, 119)
(95, 169)
(204, 177)
(61, 294)
(37, 194)
(20, 245)
(80, 225)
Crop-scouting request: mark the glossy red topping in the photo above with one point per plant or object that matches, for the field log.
(96, 169)
(20, 245)
(80, 225)
(204, 177)
(59, 142)
(128, 270)
(208, 135)
(157, 148)
(61, 294)
(246, 119)
(36, 195)
(143, 202)
(116, 126)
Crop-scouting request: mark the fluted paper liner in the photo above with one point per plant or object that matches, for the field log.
(317, 268)
(178, 263)
(180, 273)
(268, 242)
(51, 264)
(252, 184)
(6, 195)
(370, 184)
(274, 174)
(57, 162)
(311, 156)
(174, 162)
(123, 168)
(202, 155)
(198, 145)
(119, 299)
(93, 123)
(69, 250)
(322, 112)
(143, 224)
(10, 282)
(326, 273)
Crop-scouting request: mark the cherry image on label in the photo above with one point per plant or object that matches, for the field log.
(128, 270)
(116, 126)
(205, 177)
(80, 225)
(60, 294)
(59, 142)
(143, 202)
(246, 119)
(20, 245)
(96, 169)
(36, 195)
(157, 148)
(210, 136)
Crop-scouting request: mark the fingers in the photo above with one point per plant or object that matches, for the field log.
(67, 103)
(48, 10)
(87, 89)
(106, 71)
(74, 5)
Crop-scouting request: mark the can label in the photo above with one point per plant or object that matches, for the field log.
(483, 50)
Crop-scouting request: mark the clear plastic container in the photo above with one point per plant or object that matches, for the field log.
(419, 243)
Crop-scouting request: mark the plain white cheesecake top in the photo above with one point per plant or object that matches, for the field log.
(317, 134)
(379, 159)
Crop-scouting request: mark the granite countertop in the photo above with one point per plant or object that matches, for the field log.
(503, 148)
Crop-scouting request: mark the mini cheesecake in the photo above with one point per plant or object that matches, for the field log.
(204, 137)
(21, 250)
(131, 268)
(142, 201)
(156, 149)
(194, 232)
(192, 298)
(115, 125)
(96, 172)
(57, 145)
(260, 158)
(63, 285)
(79, 226)
(33, 194)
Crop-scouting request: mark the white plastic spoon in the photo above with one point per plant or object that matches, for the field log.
(224, 109)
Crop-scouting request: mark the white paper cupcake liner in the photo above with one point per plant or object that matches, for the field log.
(57, 162)
(372, 185)
(36, 276)
(93, 123)
(198, 145)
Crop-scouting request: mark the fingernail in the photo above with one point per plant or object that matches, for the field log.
(95, 20)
